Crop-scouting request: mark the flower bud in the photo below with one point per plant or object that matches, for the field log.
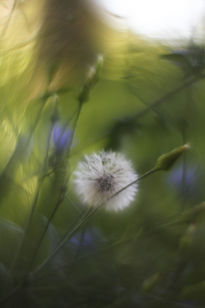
(61, 137)
(166, 161)
(92, 78)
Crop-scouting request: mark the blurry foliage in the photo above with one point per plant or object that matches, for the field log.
(148, 100)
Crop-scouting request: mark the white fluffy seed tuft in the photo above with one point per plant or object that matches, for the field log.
(100, 176)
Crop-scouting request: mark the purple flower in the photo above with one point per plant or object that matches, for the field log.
(184, 181)
(176, 176)
(87, 239)
(61, 137)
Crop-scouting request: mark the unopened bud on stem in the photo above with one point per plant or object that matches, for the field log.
(166, 161)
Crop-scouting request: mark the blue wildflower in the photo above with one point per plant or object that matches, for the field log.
(185, 182)
(87, 240)
(61, 137)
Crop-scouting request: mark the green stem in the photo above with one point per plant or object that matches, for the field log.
(85, 216)
(169, 95)
(87, 213)
(28, 224)
(60, 200)
(153, 170)
(75, 125)
(40, 182)
(5, 299)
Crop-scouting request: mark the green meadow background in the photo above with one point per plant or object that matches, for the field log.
(149, 98)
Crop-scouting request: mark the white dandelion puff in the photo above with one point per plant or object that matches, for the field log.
(99, 178)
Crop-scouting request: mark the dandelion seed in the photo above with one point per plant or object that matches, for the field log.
(100, 176)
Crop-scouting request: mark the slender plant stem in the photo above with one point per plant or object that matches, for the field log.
(5, 299)
(28, 224)
(134, 182)
(87, 213)
(75, 125)
(83, 219)
(10, 162)
(60, 199)
(169, 95)
(39, 184)
(162, 99)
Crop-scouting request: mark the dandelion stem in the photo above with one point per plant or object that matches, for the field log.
(87, 213)
(83, 219)
(137, 180)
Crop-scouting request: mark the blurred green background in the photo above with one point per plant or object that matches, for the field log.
(149, 99)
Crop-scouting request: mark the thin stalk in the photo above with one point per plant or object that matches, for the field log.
(184, 170)
(153, 170)
(168, 95)
(77, 207)
(75, 125)
(28, 140)
(185, 126)
(87, 214)
(28, 223)
(5, 299)
(33, 206)
(60, 200)
(161, 100)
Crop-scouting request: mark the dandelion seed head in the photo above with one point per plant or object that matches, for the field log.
(102, 175)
